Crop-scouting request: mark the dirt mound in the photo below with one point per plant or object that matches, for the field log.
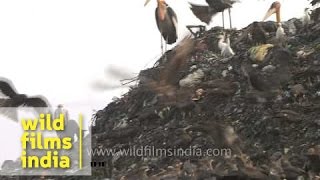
(257, 111)
(262, 104)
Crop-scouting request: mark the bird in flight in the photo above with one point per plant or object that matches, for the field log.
(205, 13)
(15, 100)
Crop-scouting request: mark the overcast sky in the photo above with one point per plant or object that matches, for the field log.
(58, 48)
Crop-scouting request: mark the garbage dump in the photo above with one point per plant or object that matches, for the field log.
(260, 105)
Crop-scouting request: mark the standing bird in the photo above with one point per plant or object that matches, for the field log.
(15, 100)
(71, 130)
(280, 34)
(167, 22)
(224, 46)
(205, 13)
(275, 9)
(306, 18)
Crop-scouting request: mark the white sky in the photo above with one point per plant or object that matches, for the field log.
(57, 48)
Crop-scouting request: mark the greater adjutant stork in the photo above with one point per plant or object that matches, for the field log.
(275, 9)
(167, 22)
(205, 13)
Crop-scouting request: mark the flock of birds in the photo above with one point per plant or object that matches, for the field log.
(167, 21)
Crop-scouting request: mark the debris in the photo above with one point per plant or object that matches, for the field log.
(224, 73)
(298, 90)
(246, 105)
(192, 79)
(258, 53)
(303, 53)
(269, 68)
(198, 95)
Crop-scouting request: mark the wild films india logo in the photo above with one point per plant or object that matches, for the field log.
(52, 146)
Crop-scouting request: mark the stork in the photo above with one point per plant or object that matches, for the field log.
(275, 9)
(205, 13)
(167, 23)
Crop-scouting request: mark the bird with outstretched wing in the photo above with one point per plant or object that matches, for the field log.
(15, 100)
(314, 2)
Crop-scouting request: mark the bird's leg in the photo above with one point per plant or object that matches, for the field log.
(223, 19)
(165, 49)
(165, 45)
(161, 44)
(230, 20)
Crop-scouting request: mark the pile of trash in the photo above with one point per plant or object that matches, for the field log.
(262, 104)
(257, 111)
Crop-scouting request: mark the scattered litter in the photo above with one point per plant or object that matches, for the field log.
(258, 53)
(192, 79)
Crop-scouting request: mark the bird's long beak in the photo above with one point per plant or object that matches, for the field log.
(269, 13)
(147, 1)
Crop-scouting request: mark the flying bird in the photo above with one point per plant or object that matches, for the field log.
(167, 23)
(15, 100)
(205, 13)
(314, 2)
(169, 74)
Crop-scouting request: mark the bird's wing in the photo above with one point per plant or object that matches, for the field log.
(172, 14)
(7, 88)
(203, 13)
(40, 103)
(233, 1)
(211, 3)
(10, 113)
(228, 3)
(220, 5)
(314, 2)
(37, 101)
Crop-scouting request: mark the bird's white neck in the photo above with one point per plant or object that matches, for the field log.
(280, 32)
